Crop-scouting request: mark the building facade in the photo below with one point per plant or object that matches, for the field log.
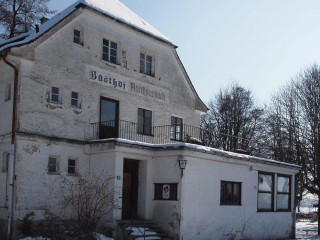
(97, 89)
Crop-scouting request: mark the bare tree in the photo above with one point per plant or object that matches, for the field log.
(16, 14)
(233, 121)
(294, 128)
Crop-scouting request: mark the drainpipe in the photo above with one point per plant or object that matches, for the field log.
(12, 152)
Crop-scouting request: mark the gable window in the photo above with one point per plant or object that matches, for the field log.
(5, 162)
(265, 191)
(283, 193)
(74, 99)
(8, 92)
(109, 51)
(77, 37)
(144, 121)
(146, 64)
(55, 95)
(230, 193)
(176, 129)
(72, 166)
(53, 165)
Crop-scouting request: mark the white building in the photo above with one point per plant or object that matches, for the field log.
(96, 88)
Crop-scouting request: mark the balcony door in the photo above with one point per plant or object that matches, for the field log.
(109, 118)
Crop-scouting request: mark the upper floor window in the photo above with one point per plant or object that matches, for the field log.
(230, 193)
(77, 37)
(5, 161)
(109, 51)
(176, 129)
(146, 64)
(74, 99)
(55, 97)
(265, 191)
(144, 121)
(8, 92)
(283, 193)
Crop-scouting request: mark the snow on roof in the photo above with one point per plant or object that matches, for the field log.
(199, 148)
(112, 8)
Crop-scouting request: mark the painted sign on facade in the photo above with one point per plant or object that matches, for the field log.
(166, 191)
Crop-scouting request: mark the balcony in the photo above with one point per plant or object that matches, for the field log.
(143, 133)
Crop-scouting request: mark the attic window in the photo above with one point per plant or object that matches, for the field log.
(109, 51)
(77, 37)
(146, 64)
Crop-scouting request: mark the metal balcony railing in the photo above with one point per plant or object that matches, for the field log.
(145, 133)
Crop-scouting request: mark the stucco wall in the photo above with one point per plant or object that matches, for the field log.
(34, 187)
(61, 63)
(204, 217)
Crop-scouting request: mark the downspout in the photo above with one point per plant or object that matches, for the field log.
(12, 152)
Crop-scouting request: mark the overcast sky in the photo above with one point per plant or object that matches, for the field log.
(260, 44)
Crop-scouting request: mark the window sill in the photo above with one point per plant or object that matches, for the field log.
(53, 173)
(72, 174)
(230, 205)
(144, 74)
(144, 134)
(266, 210)
(110, 63)
(56, 103)
(80, 45)
(283, 210)
(76, 107)
(166, 200)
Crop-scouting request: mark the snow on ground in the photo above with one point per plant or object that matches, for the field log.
(140, 231)
(306, 225)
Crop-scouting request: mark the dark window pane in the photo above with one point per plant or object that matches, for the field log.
(105, 57)
(71, 166)
(229, 193)
(76, 33)
(74, 95)
(142, 66)
(113, 59)
(114, 45)
(54, 98)
(222, 193)
(55, 90)
(74, 102)
(76, 40)
(149, 59)
(52, 165)
(142, 57)
(105, 42)
(148, 72)
(105, 50)
(113, 52)
(236, 193)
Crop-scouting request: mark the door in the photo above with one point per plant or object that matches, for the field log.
(130, 189)
(109, 112)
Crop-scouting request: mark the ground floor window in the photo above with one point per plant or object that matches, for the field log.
(72, 166)
(283, 193)
(230, 193)
(265, 191)
(53, 165)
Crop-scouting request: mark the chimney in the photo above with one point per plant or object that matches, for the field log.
(27, 27)
(43, 20)
(37, 28)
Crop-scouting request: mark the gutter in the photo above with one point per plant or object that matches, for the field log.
(12, 152)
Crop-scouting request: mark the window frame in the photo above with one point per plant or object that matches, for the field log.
(144, 132)
(80, 37)
(77, 99)
(272, 192)
(173, 129)
(233, 203)
(145, 62)
(5, 161)
(109, 47)
(8, 92)
(55, 94)
(56, 165)
(75, 166)
(284, 193)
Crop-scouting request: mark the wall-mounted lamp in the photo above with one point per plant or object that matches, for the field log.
(182, 164)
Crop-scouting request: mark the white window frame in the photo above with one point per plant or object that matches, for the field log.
(58, 95)
(5, 161)
(57, 164)
(77, 99)
(109, 50)
(8, 92)
(144, 60)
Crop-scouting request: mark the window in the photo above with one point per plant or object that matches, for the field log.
(55, 94)
(74, 99)
(53, 165)
(230, 193)
(165, 191)
(8, 92)
(72, 166)
(145, 64)
(176, 129)
(144, 121)
(283, 193)
(265, 191)
(109, 51)
(5, 162)
(77, 37)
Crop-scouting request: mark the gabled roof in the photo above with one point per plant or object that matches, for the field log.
(112, 8)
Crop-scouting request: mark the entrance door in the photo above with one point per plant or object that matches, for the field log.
(130, 189)
(109, 113)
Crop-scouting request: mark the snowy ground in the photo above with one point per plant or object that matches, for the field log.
(99, 237)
